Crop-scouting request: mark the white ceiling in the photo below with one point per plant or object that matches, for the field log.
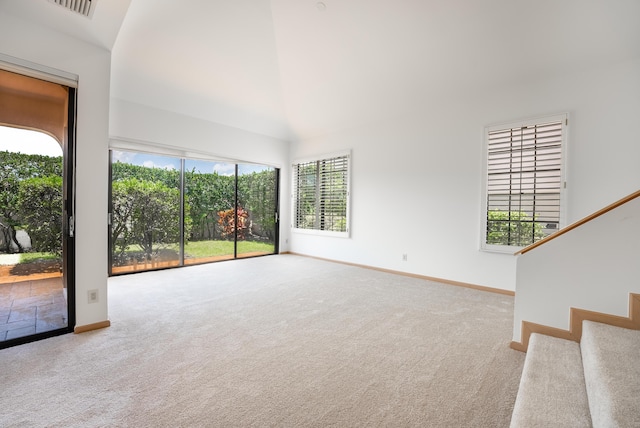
(101, 30)
(211, 59)
(286, 69)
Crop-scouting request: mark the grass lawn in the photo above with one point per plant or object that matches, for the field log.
(37, 257)
(220, 248)
(255, 247)
(200, 249)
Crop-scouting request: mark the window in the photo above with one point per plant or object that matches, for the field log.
(321, 195)
(524, 181)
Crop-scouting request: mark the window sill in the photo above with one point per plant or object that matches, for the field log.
(326, 233)
(500, 249)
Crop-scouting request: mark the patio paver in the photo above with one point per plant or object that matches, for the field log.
(31, 306)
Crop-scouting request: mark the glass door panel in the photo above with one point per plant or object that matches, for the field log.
(209, 211)
(256, 211)
(33, 297)
(145, 216)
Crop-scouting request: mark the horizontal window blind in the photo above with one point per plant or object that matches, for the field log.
(524, 182)
(321, 194)
(306, 195)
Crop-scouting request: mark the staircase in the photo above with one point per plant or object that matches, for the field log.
(594, 383)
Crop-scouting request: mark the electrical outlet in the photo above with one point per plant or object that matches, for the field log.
(404, 257)
(92, 296)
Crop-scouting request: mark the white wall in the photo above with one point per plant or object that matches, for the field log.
(593, 267)
(416, 178)
(134, 125)
(39, 45)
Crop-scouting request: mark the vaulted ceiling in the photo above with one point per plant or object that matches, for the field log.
(296, 68)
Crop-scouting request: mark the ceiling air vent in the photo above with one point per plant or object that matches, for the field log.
(83, 7)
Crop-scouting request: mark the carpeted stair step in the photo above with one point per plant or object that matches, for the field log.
(552, 389)
(611, 360)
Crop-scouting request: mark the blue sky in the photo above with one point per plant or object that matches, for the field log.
(28, 142)
(167, 162)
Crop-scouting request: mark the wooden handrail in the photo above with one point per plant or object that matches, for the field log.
(580, 222)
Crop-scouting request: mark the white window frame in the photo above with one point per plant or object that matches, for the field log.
(562, 118)
(294, 179)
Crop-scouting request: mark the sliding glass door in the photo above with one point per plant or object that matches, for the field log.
(37, 244)
(210, 198)
(169, 212)
(145, 212)
(257, 218)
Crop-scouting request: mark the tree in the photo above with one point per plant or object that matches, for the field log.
(40, 204)
(14, 168)
(257, 194)
(227, 220)
(122, 171)
(512, 228)
(207, 194)
(145, 213)
(9, 219)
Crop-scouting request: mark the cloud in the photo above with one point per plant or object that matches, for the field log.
(146, 160)
(124, 157)
(152, 164)
(224, 168)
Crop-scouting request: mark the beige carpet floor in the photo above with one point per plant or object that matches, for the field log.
(278, 341)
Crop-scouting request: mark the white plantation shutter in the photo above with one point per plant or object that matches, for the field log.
(524, 181)
(321, 194)
(306, 195)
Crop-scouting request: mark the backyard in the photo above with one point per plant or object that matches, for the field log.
(219, 210)
(134, 258)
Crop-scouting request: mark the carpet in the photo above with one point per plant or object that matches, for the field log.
(277, 341)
